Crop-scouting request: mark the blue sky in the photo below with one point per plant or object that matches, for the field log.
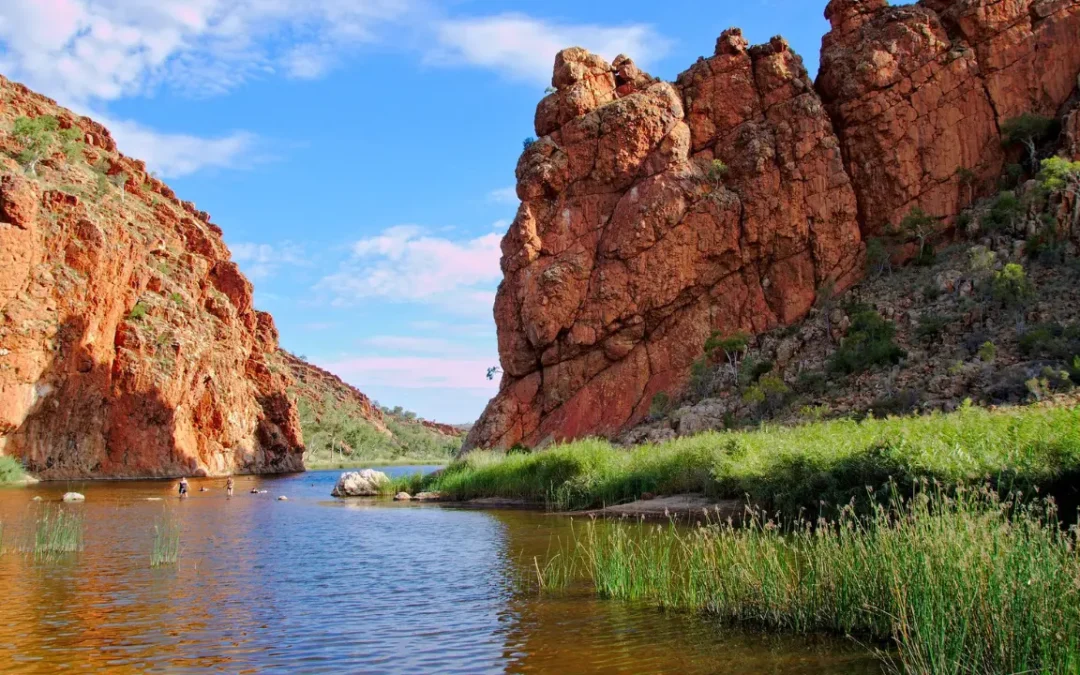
(359, 154)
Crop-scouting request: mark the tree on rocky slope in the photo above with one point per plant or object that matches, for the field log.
(1027, 130)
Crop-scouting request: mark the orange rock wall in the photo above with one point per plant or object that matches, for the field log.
(625, 254)
(919, 91)
(90, 386)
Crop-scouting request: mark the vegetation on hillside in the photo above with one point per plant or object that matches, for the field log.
(957, 581)
(337, 435)
(818, 467)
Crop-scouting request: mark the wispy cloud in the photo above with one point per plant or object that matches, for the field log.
(506, 195)
(175, 155)
(260, 261)
(414, 372)
(523, 47)
(406, 264)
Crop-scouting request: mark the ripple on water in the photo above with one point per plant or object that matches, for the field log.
(308, 586)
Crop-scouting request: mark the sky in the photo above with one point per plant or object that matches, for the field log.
(358, 154)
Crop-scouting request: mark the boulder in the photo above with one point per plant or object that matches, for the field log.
(364, 483)
(402, 497)
(74, 497)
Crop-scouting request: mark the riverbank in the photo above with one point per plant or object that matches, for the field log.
(946, 582)
(817, 467)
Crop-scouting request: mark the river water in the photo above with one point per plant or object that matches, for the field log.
(318, 585)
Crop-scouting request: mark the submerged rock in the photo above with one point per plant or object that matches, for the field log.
(74, 497)
(429, 497)
(364, 483)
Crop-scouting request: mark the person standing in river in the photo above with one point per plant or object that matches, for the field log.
(229, 486)
(183, 487)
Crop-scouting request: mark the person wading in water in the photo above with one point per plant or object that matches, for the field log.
(229, 486)
(183, 487)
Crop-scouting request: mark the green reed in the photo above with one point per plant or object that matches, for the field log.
(57, 533)
(958, 582)
(787, 468)
(166, 549)
(11, 470)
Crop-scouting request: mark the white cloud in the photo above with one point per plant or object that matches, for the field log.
(175, 155)
(405, 264)
(85, 50)
(522, 47)
(415, 372)
(259, 261)
(414, 345)
(506, 195)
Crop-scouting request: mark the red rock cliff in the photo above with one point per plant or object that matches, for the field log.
(129, 346)
(919, 91)
(626, 252)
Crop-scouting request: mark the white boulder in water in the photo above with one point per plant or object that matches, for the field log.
(74, 497)
(364, 483)
(283, 498)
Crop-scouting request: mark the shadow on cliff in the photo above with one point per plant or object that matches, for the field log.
(83, 425)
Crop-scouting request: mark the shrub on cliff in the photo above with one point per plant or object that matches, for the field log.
(1059, 174)
(920, 225)
(870, 342)
(1011, 286)
(1028, 130)
(39, 136)
(11, 470)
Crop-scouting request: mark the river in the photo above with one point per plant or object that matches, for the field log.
(318, 585)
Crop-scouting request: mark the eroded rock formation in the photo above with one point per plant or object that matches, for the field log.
(918, 92)
(630, 248)
(129, 346)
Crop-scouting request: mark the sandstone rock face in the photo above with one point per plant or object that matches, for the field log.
(627, 252)
(129, 346)
(364, 483)
(918, 92)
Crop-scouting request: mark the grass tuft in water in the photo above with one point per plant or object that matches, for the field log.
(166, 541)
(962, 582)
(58, 532)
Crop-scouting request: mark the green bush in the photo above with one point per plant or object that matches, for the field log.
(768, 393)
(717, 172)
(987, 352)
(1011, 286)
(1051, 341)
(870, 342)
(11, 470)
(660, 405)
(931, 326)
(1059, 174)
(877, 257)
(138, 312)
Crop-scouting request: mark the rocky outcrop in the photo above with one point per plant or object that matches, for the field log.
(129, 346)
(918, 92)
(630, 246)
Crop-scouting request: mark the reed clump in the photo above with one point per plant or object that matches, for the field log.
(787, 468)
(166, 549)
(948, 581)
(58, 532)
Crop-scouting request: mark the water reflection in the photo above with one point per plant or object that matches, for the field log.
(316, 585)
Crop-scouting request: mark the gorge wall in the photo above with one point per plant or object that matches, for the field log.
(129, 345)
(627, 252)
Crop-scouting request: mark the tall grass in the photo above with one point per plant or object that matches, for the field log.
(961, 582)
(11, 471)
(166, 549)
(790, 467)
(57, 533)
